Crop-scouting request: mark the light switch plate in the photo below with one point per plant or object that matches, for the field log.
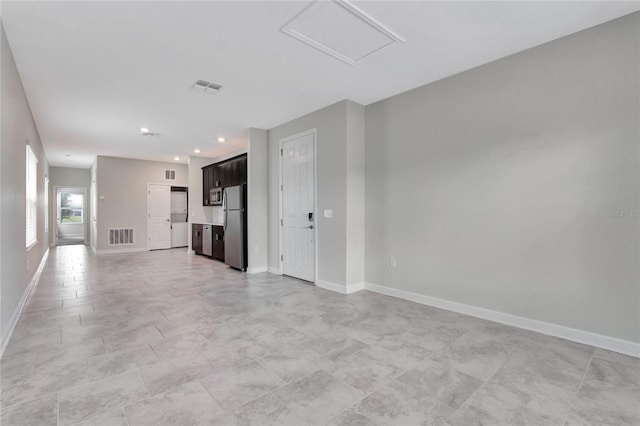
(328, 214)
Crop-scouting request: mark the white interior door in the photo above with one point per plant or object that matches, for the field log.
(159, 208)
(298, 207)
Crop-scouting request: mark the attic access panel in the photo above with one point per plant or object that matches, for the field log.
(341, 30)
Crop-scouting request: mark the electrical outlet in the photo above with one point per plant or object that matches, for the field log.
(328, 214)
(393, 262)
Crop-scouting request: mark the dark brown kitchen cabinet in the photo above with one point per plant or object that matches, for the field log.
(196, 238)
(218, 242)
(242, 170)
(207, 184)
(231, 178)
(212, 182)
(217, 176)
(224, 174)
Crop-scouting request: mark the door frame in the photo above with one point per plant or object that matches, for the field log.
(148, 218)
(314, 132)
(72, 189)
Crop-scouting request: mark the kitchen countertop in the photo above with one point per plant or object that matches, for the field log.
(208, 223)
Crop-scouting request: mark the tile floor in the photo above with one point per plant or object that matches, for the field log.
(166, 338)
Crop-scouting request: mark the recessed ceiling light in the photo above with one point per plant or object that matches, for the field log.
(146, 132)
(68, 155)
(197, 151)
(176, 158)
(221, 139)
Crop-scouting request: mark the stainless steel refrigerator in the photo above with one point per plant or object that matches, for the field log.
(233, 202)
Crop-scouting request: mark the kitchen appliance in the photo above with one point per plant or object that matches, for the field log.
(215, 197)
(207, 240)
(235, 225)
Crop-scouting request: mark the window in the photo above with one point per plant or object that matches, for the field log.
(71, 208)
(32, 199)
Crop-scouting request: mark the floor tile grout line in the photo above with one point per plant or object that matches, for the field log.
(30, 400)
(143, 381)
(210, 394)
(120, 406)
(126, 417)
(465, 402)
(575, 396)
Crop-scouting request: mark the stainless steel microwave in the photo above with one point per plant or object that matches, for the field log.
(215, 197)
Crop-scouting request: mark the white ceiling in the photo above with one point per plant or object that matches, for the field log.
(95, 72)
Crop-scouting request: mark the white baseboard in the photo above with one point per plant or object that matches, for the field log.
(352, 288)
(328, 285)
(23, 301)
(272, 270)
(126, 250)
(598, 340)
(257, 270)
(340, 288)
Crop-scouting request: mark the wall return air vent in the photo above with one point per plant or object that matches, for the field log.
(206, 87)
(121, 236)
(169, 174)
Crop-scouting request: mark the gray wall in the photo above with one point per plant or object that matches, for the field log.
(340, 187)
(257, 188)
(123, 184)
(494, 187)
(331, 125)
(17, 266)
(70, 177)
(355, 193)
(93, 197)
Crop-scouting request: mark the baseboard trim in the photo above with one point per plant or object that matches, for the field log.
(272, 270)
(23, 301)
(328, 285)
(340, 288)
(257, 270)
(355, 287)
(598, 340)
(127, 250)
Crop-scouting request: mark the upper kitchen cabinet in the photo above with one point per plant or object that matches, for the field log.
(242, 170)
(207, 181)
(224, 174)
(217, 176)
(232, 173)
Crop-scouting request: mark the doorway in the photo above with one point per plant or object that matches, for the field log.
(159, 216)
(298, 201)
(71, 218)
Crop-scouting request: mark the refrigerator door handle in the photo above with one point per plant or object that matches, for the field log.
(224, 208)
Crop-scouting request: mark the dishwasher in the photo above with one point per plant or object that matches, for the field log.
(207, 240)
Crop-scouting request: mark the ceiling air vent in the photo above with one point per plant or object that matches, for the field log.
(206, 87)
(169, 174)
